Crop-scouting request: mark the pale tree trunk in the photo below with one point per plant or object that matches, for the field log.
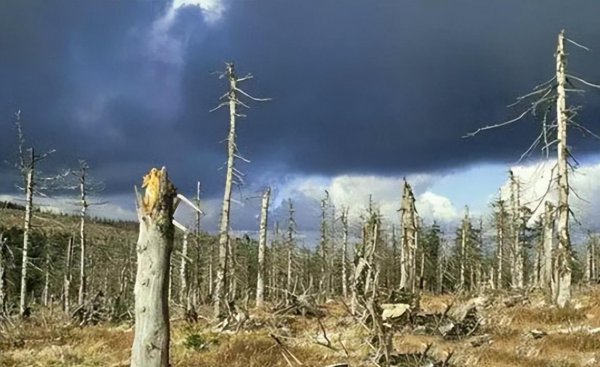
(409, 239)
(290, 249)
(563, 296)
(262, 248)
(26, 233)
(3, 267)
(345, 253)
(183, 273)
(517, 256)
(323, 248)
(463, 250)
(67, 277)
(221, 291)
(82, 238)
(45, 295)
(155, 244)
(548, 245)
(500, 222)
(197, 266)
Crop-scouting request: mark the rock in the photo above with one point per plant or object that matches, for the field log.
(537, 334)
(393, 311)
(480, 340)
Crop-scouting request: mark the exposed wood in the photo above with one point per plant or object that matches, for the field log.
(155, 244)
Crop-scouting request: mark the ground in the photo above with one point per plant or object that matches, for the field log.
(523, 332)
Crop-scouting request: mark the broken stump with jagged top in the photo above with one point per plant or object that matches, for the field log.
(155, 209)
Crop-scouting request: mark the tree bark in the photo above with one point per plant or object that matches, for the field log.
(563, 296)
(26, 232)
(262, 248)
(154, 247)
(345, 253)
(548, 246)
(67, 277)
(82, 238)
(3, 267)
(221, 290)
(517, 256)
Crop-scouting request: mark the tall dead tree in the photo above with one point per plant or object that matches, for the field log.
(344, 219)
(323, 276)
(68, 277)
(408, 224)
(548, 246)
(591, 254)
(290, 248)
(81, 176)
(464, 238)
(549, 95)
(155, 243)
(26, 165)
(262, 248)
(231, 99)
(500, 218)
(516, 269)
(3, 268)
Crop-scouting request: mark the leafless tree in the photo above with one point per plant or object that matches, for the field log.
(27, 164)
(232, 99)
(262, 248)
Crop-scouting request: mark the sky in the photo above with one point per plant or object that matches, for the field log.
(363, 95)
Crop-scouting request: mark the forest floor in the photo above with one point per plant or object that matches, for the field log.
(514, 331)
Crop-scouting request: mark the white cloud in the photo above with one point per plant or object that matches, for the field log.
(212, 10)
(437, 207)
(585, 184)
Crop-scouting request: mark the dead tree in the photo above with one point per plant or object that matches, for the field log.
(232, 99)
(516, 268)
(464, 237)
(262, 248)
(408, 223)
(3, 268)
(27, 165)
(545, 96)
(155, 243)
(547, 245)
(68, 277)
(500, 218)
(290, 248)
(344, 219)
(590, 263)
(323, 276)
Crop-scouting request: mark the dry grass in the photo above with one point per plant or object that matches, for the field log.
(47, 342)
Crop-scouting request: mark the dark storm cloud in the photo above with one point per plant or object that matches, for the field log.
(365, 87)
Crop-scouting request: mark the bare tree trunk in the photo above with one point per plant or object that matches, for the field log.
(183, 273)
(409, 239)
(45, 295)
(517, 251)
(154, 247)
(197, 264)
(262, 248)
(3, 267)
(221, 290)
(500, 223)
(82, 238)
(323, 248)
(463, 250)
(68, 277)
(563, 296)
(26, 234)
(548, 238)
(345, 253)
(290, 249)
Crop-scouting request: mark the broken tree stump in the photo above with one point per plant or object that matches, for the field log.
(155, 244)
